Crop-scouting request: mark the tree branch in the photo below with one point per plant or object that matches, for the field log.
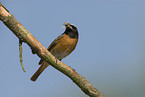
(25, 36)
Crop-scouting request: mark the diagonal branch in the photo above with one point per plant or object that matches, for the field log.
(25, 36)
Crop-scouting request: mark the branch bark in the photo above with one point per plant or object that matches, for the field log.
(24, 35)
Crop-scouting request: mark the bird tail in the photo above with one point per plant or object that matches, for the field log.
(39, 71)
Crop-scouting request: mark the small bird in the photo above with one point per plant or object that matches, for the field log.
(61, 47)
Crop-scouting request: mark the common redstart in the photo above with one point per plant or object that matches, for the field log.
(61, 47)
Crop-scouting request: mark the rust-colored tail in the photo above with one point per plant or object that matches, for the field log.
(39, 71)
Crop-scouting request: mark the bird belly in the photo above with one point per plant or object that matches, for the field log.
(64, 47)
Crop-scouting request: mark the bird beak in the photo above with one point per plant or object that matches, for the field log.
(67, 24)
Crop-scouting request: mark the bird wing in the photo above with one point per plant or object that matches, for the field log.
(52, 45)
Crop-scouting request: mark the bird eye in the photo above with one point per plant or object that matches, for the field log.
(73, 27)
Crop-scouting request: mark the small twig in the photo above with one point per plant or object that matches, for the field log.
(20, 54)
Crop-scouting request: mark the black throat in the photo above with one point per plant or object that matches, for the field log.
(72, 34)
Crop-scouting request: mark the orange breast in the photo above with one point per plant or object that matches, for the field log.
(64, 47)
